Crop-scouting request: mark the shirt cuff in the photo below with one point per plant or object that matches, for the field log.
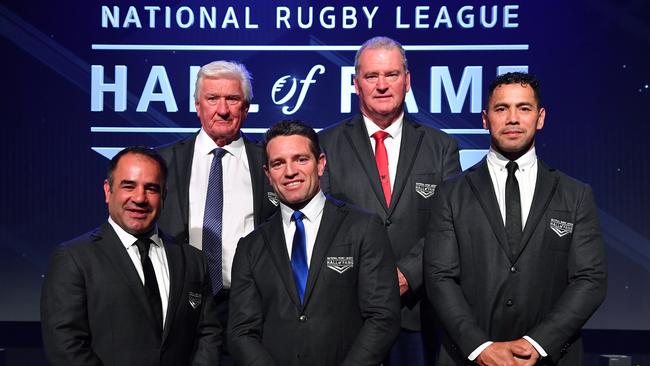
(536, 345)
(472, 356)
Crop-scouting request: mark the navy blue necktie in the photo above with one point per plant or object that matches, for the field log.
(513, 208)
(150, 281)
(212, 220)
(299, 255)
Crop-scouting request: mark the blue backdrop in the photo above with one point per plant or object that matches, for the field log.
(81, 79)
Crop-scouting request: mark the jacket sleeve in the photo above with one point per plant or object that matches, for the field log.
(378, 298)
(587, 282)
(64, 315)
(245, 314)
(442, 273)
(208, 331)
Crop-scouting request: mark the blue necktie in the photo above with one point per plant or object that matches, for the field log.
(212, 220)
(299, 255)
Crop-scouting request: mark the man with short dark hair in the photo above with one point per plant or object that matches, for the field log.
(125, 293)
(514, 260)
(315, 284)
(389, 164)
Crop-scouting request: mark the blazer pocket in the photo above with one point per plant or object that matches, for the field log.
(340, 265)
(424, 187)
(558, 230)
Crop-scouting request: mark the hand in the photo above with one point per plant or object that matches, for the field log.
(524, 352)
(514, 353)
(403, 283)
(497, 354)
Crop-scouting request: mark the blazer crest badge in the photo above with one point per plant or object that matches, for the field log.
(561, 228)
(340, 264)
(425, 190)
(195, 299)
(273, 198)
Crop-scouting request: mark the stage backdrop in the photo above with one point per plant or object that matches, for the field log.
(82, 79)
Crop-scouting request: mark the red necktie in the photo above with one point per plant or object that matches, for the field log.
(381, 157)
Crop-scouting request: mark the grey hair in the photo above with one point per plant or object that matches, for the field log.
(225, 69)
(381, 43)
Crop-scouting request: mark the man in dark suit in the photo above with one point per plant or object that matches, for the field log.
(514, 260)
(387, 163)
(222, 96)
(314, 285)
(126, 294)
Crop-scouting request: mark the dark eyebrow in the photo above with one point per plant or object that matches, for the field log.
(126, 181)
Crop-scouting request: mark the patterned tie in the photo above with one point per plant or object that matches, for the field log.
(212, 220)
(299, 255)
(381, 157)
(513, 208)
(150, 282)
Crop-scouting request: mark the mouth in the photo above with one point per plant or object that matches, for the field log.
(138, 213)
(512, 132)
(294, 184)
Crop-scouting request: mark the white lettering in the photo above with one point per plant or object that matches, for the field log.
(465, 20)
(324, 13)
(230, 18)
(282, 14)
(247, 18)
(370, 15)
(440, 77)
(420, 16)
(349, 17)
(509, 13)
(158, 75)
(113, 17)
(210, 18)
(443, 17)
(398, 19)
(98, 87)
(132, 18)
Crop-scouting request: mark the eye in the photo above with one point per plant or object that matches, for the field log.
(233, 99)
(372, 78)
(393, 76)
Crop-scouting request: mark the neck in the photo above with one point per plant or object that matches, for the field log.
(513, 155)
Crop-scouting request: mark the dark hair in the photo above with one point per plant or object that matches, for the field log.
(137, 150)
(289, 128)
(522, 78)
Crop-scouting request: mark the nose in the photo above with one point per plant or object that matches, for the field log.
(382, 83)
(139, 195)
(290, 171)
(513, 118)
(222, 108)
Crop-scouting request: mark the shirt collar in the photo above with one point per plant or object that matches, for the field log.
(394, 130)
(128, 240)
(204, 145)
(524, 162)
(311, 211)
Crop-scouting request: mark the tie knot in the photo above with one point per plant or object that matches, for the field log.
(143, 245)
(512, 167)
(380, 135)
(218, 152)
(297, 216)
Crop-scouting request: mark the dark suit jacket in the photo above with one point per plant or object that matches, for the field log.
(175, 215)
(348, 318)
(427, 157)
(94, 310)
(482, 291)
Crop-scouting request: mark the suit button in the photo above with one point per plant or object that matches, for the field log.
(513, 269)
(510, 302)
(387, 223)
(302, 318)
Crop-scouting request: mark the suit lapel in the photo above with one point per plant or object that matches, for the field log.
(481, 184)
(330, 223)
(176, 262)
(357, 137)
(544, 190)
(255, 163)
(112, 247)
(183, 154)
(409, 147)
(273, 234)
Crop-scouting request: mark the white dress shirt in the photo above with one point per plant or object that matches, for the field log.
(392, 143)
(526, 176)
(237, 218)
(313, 213)
(158, 260)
